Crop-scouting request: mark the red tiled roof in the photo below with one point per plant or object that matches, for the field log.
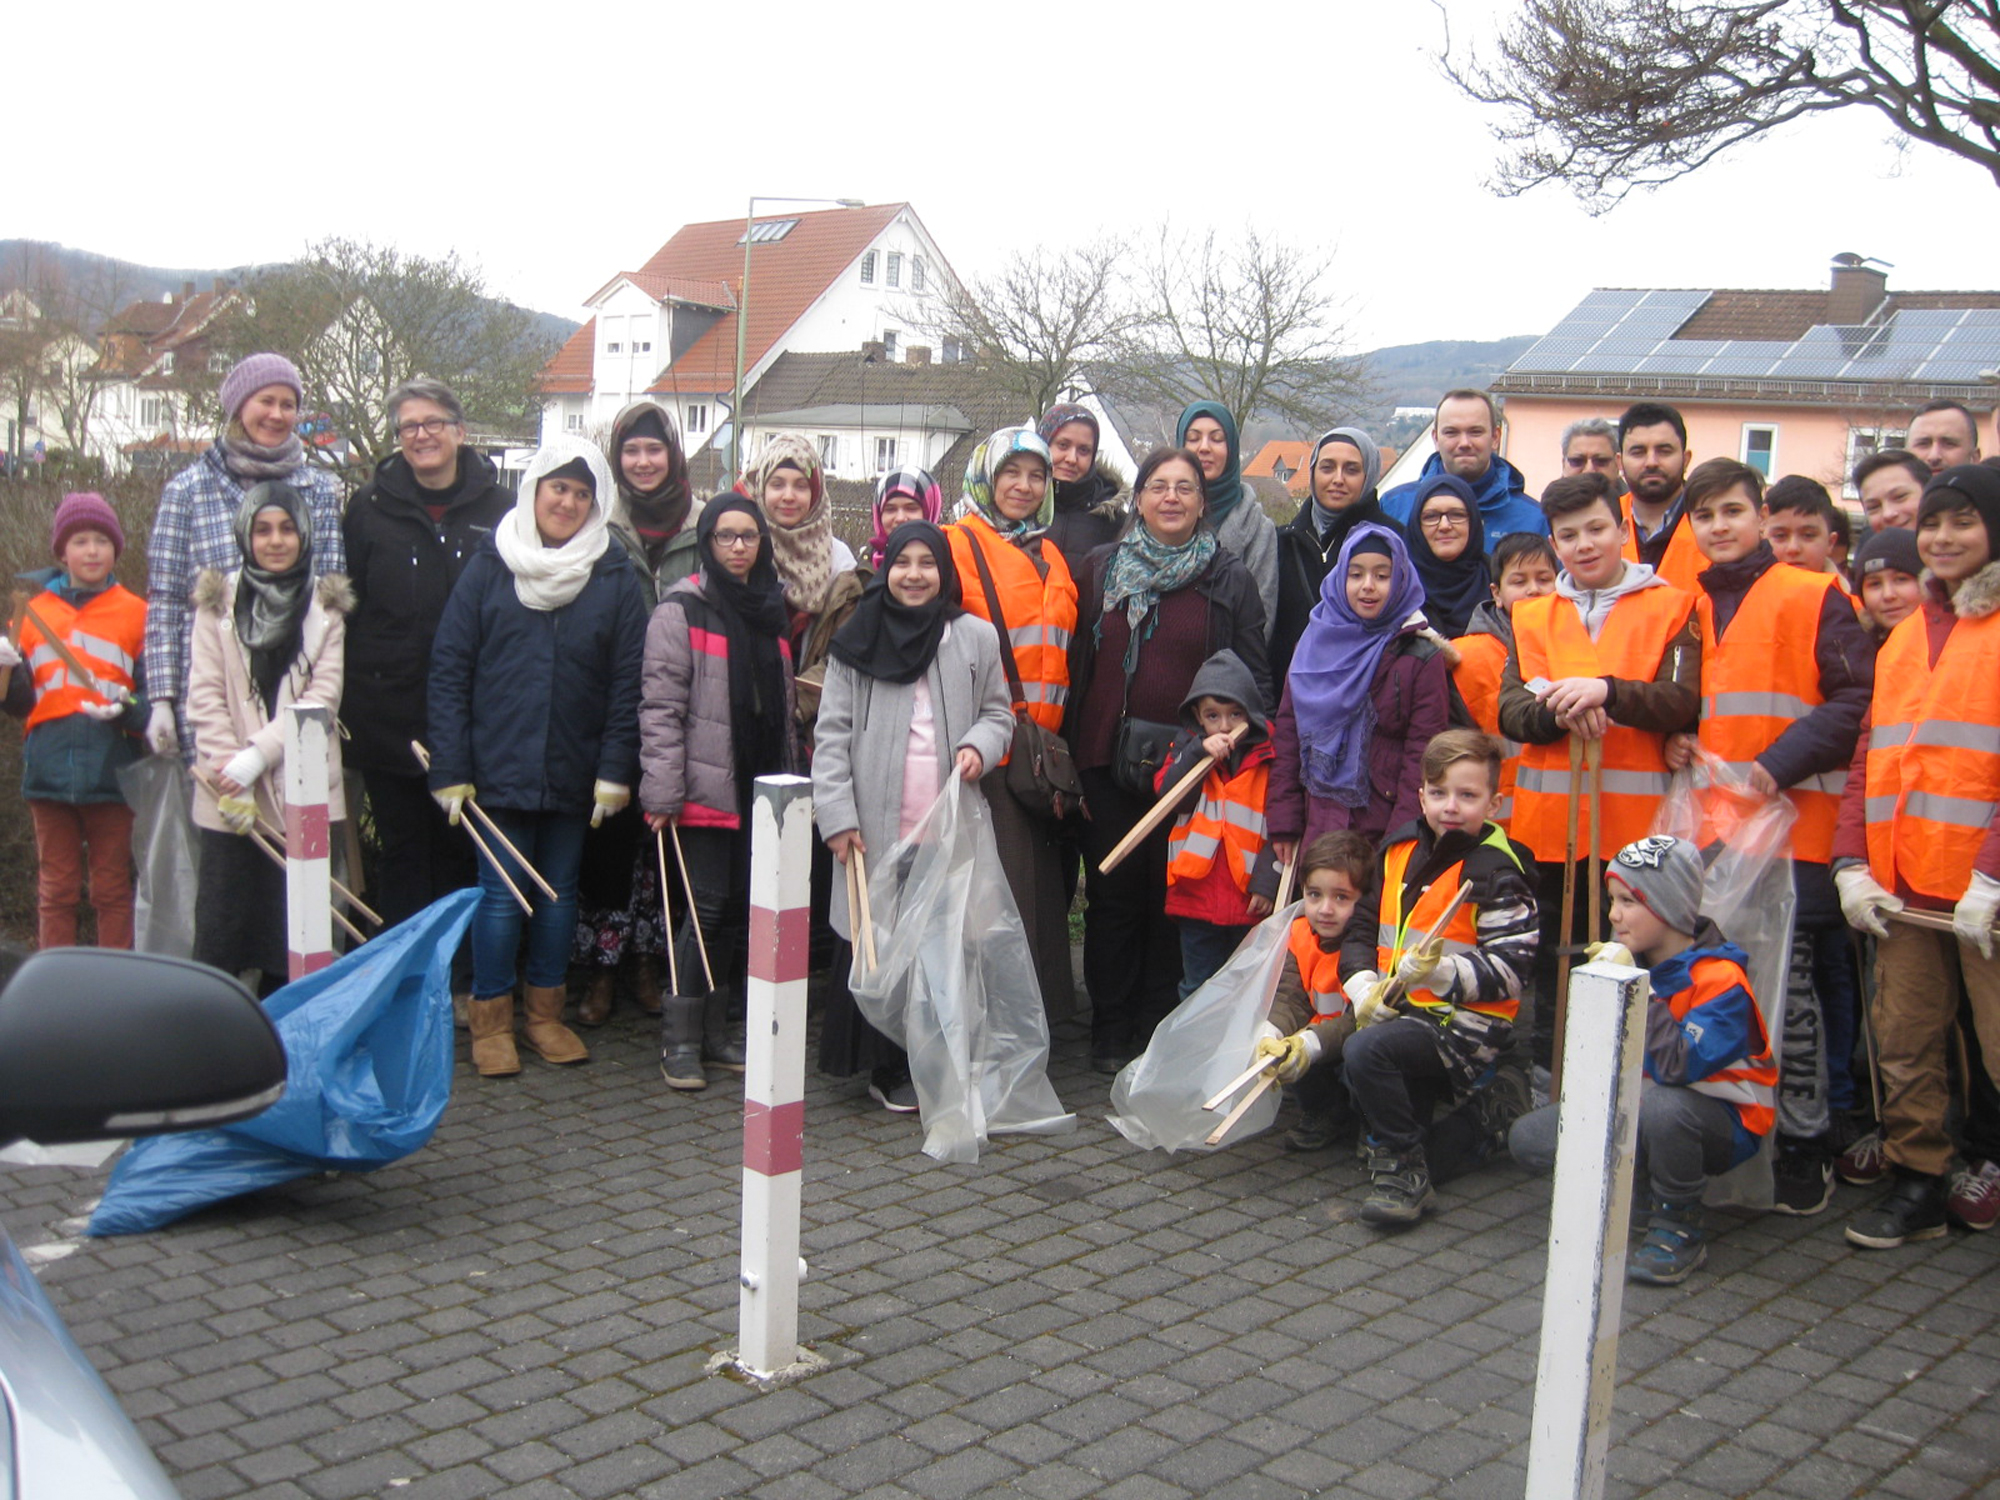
(570, 372)
(1732, 313)
(1265, 464)
(679, 288)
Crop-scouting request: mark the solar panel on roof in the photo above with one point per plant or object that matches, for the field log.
(1966, 370)
(1671, 364)
(1736, 364)
(1603, 363)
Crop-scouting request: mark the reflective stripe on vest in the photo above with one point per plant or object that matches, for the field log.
(1039, 611)
(1748, 1086)
(106, 635)
(1933, 765)
(1758, 680)
(1229, 815)
(1319, 972)
(1398, 930)
(1551, 643)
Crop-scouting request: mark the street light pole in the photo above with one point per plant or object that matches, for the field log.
(743, 317)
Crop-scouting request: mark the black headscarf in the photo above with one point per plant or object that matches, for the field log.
(271, 607)
(1452, 590)
(892, 642)
(754, 620)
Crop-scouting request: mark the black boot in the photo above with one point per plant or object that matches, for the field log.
(722, 1042)
(680, 1042)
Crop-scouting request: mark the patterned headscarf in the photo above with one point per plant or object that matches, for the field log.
(803, 553)
(920, 487)
(1059, 416)
(984, 467)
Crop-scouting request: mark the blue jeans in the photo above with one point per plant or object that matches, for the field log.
(1205, 948)
(553, 843)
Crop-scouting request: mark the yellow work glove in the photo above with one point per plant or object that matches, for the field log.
(1611, 953)
(1360, 992)
(1291, 1055)
(608, 798)
(239, 814)
(453, 799)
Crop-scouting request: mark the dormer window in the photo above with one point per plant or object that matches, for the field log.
(166, 365)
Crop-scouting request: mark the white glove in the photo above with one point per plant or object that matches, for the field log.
(10, 655)
(1360, 992)
(1972, 918)
(246, 765)
(104, 713)
(609, 798)
(162, 738)
(238, 813)
(1863, 901)
(1415, 966)
(1610, 953)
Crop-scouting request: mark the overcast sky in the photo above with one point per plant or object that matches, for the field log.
(554, 146)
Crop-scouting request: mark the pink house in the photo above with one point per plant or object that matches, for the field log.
(1792, 382)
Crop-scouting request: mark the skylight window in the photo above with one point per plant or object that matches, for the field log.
(767, 231)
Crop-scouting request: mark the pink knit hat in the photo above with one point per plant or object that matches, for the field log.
(252, 373)
(86, 511)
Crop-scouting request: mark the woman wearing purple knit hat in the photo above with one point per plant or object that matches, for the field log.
(193, 529)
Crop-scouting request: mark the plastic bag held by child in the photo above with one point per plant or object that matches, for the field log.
(1208, 1039)
(955, 983)
(161, 795)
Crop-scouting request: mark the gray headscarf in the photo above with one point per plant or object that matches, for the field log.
(271, 607)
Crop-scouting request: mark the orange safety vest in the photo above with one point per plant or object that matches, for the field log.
(1933, 759)
(1229, 817)
(1482, 660)
(1551, 643)
(1040, 610)
(106, 634)
(1397, 930)
(1756, 683)
(1319, 972)
(1682, 560)
(1748, 1085)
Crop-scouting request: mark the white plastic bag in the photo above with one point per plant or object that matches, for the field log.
(1208, 1039)
(160, 793)
(1746, 842)
(955, 983)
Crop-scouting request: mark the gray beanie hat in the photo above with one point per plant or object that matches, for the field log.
(1665, 874)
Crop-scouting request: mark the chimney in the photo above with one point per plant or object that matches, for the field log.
(1858, 289)
(920, 354)
(874, 351)
(187, 289)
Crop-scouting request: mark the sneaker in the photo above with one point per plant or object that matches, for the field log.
(1801, 1178)
(1674, 1248)
(1539, 1079)
(1399, 1191)
(1312, 1133)
(1496, 1107)
(1973, 1195)
(899, 1097)
(1864, 1163)
(1911, 1210)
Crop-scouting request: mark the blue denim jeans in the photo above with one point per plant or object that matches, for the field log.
(553, 843)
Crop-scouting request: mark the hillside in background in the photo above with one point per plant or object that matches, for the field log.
(1418, 374)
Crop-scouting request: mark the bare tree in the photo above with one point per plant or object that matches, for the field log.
(1037, 324)
(1609, 95)
(1253, 323)
(48, 338)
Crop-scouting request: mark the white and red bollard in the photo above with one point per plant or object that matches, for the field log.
(1603, 1046)
(774, 1083)
(308, 841)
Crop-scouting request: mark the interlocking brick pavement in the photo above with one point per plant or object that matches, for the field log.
(523, 1309)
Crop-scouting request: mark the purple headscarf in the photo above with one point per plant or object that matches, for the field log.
(1334, 669)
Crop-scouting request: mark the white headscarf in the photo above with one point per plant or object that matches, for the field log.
(550, 577)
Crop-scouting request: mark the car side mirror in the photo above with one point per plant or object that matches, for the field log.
(102, 1044)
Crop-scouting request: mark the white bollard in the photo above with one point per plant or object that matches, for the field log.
(1603, 1048)
(308, 841)
(774, 1081)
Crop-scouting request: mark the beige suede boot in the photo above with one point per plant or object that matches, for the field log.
(546, 1034)
(491, 1023)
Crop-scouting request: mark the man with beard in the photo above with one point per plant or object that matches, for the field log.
(1653, 455)
(1340, 494)
(1466, 434)
(1943, 434)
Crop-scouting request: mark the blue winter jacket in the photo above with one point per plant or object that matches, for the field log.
(75, 759)
(533, 706)
(1504, 503)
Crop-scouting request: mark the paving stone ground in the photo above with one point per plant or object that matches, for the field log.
(524, 1309)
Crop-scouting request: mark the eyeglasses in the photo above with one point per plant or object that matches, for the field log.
(1159, 489)
(1582, 461)
(729, 541)
(429, 427)
(1444, 520)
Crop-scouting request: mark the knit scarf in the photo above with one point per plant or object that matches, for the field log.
(250, 462)
(1144, 568)
(656, 514)
(549, 577)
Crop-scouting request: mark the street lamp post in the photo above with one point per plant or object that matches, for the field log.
(743, 317)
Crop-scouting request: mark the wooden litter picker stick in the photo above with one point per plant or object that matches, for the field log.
(277, 836)
(272, 853)
(858, 863)
(694, 912)
(1137, 836)
(471, 806)
(667, 914)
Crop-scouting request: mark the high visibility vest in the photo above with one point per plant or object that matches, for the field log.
(1482, 660)
(1681, 563)
(106, 634)
(1319, 972)
(1758, 680)
(1747, 1085)
(1228, 819)
(1933, 756)
(1397, 930)
(1551, 642)
(1040, 611)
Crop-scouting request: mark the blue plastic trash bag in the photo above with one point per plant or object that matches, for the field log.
(368, 1053)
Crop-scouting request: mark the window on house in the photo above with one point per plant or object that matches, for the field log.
(916, 273)
(868, 269)
(642, 346)
(156, 411)
(889, 336)
(895, 277)
(698, 417)
(614, 348)
(829, 452)
(769, 231)
(885, 454)
(952, 352)
(573, 422)
(167, 363)
(1864, 442)
(1760, 447)
(219, 363)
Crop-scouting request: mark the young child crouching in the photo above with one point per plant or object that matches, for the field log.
(1310, 1020)
(1221, 872)
(1707, 1096)
(1436, 1040)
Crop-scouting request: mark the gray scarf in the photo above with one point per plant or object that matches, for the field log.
(250, 462)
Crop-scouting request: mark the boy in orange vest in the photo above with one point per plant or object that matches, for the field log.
(1612, 656)
(1524, 567)
(1919, 828)
(1786, 669)
(1706, 1100)
(1437, 1037)
(1309, 1019)
(81, 733)
(1221, 871)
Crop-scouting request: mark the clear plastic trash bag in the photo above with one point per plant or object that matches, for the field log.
(368, 1057)
(955, 982)
(1745, 839)
(160, 793)
(1206, 1040)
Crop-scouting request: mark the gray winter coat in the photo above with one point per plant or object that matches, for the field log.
(1253, 537)
(864, 731)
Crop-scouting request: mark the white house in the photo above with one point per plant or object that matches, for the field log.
(145, 353)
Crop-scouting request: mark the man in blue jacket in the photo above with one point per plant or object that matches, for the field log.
(1466, 433)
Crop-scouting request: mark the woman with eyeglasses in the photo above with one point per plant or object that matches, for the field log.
(1154, 606)
(715, 714)
(1447, 542)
